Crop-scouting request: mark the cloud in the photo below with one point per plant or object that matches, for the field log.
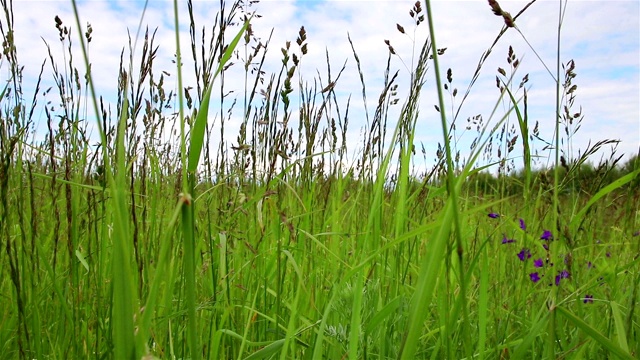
(602, 38)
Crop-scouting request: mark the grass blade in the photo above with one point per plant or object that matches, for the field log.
(428, 278)
(200, 124)
(595, 334)
(577, 219)
(533, 333)
(619, 324)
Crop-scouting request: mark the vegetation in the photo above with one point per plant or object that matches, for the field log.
(146, 245)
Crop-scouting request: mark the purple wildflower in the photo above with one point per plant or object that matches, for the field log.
(545, 246)
(588, 299)
(523, 226)
(546, 235)
(590, 265)
(564, 274)
(494, 215)
(524, 254)
(534, 276)
(506, 240)
(538, 263)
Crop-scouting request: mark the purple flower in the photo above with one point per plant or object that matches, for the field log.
(494, 215)
(534, 277)
(523, 226)
(587, 299)
(524, 254)
(564, 274)
(538, 263)
(545, 246)
(546, 235)
(506, 240)
(590, 265)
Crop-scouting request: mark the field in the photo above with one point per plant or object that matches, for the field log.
(150, 246)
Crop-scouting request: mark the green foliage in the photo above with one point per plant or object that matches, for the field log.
(146, 248)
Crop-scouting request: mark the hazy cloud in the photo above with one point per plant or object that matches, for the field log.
(602, 38)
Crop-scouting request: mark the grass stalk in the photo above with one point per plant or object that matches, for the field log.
(123, 292)
(551, 335)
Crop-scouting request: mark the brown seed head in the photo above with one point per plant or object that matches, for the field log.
(508, 20)
(495, 7)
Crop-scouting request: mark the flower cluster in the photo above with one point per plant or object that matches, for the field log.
(539, 264)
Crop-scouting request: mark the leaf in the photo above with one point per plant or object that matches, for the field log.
(387, 310)
(619, 323)
(267, 351)
(427, 279)
(604, 191)
(594, 334)
(532, 334)
(82, 260)
(200, 124)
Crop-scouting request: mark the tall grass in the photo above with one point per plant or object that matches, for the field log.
(150, 246)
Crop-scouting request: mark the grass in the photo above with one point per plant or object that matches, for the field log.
(148, 248)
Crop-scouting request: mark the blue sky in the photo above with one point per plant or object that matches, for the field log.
(602, 37)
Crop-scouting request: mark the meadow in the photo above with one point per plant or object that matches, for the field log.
(149, 246)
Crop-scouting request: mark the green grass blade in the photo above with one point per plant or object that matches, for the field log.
(384, 313)
(267, 351)
(577, 219)
(595, 334)
(200, 124)
(163, 263)
(524, 135)
(532, 334)
(356, 316)
(619, 324)
(188, 226)
(428, 277)
(123, 277)
(124, 295)
(483, 299)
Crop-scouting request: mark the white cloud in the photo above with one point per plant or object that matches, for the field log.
(602, 38)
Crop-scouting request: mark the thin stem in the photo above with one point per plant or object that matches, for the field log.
(188, 222)
(556, 179)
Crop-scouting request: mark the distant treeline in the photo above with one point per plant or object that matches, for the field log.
(584, 178)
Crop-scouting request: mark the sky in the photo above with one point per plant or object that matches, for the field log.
(602, 37)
